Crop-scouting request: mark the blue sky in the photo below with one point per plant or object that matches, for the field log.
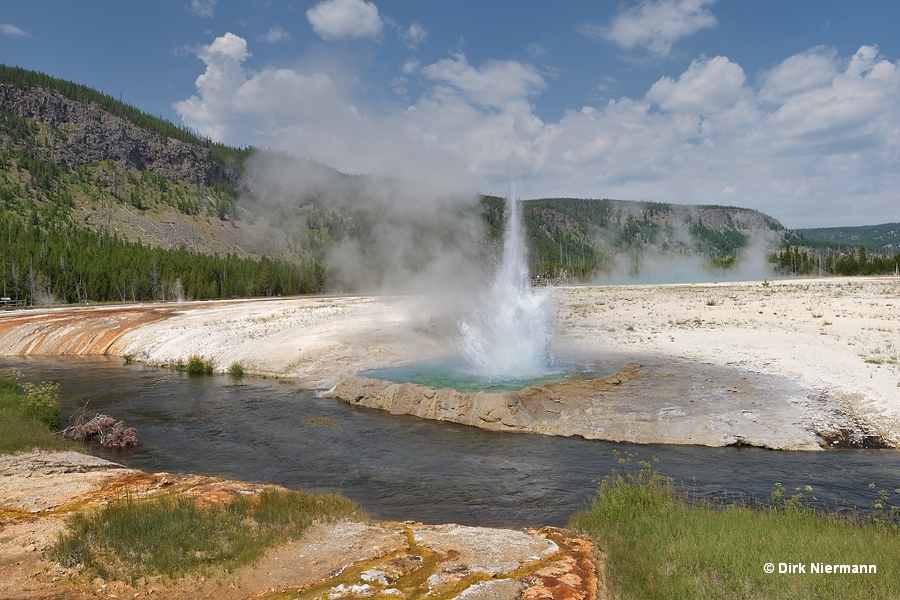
(791, 108)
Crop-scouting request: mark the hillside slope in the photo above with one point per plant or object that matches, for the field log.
(584, 238)
(884, 237)
(73, 159)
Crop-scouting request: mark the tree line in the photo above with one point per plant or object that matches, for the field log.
(846, 261)
(47, 260)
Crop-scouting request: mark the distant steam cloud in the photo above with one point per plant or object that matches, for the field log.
(653, 266)
(399, 236)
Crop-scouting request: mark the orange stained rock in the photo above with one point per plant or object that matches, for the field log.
(573, 576)
(75, 331)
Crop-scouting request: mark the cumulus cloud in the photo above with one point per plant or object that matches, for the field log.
(482, 114)
(655, 25)
(203, 8)
(342, 19)
(498, 84)
(805, 71)
(309, 114)
(708, 86)
(851, 112)
(789, 146)
(833, 138)
(11, 30)
(216, 86)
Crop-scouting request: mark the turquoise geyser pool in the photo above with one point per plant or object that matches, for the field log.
(454, 376)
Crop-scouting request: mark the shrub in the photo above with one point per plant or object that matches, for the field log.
(41, 403)
(236, 370)
(197, 365)
(18, 432)
(106, 430)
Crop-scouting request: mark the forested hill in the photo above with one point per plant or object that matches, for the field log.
(105, 128)
(583, 238)
(103, 202)
(886, 236)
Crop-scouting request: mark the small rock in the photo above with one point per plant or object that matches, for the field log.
(375, 576)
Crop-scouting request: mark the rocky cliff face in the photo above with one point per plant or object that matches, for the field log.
(84, 133)
(717, 217)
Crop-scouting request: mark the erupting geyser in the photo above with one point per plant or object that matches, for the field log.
(508, 335)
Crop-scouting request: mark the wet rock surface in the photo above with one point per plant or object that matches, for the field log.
(658, 401)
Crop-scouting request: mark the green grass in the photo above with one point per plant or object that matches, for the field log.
(21, 427)
(659, 545)
(236, 370)
(197, 365)
(131, 539)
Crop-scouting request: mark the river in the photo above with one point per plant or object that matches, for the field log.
(405, 468)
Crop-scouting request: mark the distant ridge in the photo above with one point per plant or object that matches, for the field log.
(884, 236)
(25, 79)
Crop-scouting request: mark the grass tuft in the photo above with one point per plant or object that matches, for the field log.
(195, 365)
(133, 539)
(236, 370)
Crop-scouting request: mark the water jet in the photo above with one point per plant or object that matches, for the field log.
(504, 347)
(507, 337)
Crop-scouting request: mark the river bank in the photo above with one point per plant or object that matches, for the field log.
(739, 347)
(38, 490)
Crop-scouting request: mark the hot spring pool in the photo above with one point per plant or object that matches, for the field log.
(454, 376)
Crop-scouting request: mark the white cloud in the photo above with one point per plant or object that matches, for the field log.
(708, 86)
(340, 19)
(414, 35)
(11, 30)
(799, 73)
(655, 24)
(836, 139)
(275, 34)
(203, 8)
(498, 84)
(223, 76)
(306, 114)
(801, 150)
(410, 67)
(853, 110)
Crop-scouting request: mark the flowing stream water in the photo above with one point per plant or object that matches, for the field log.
(404, 468)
